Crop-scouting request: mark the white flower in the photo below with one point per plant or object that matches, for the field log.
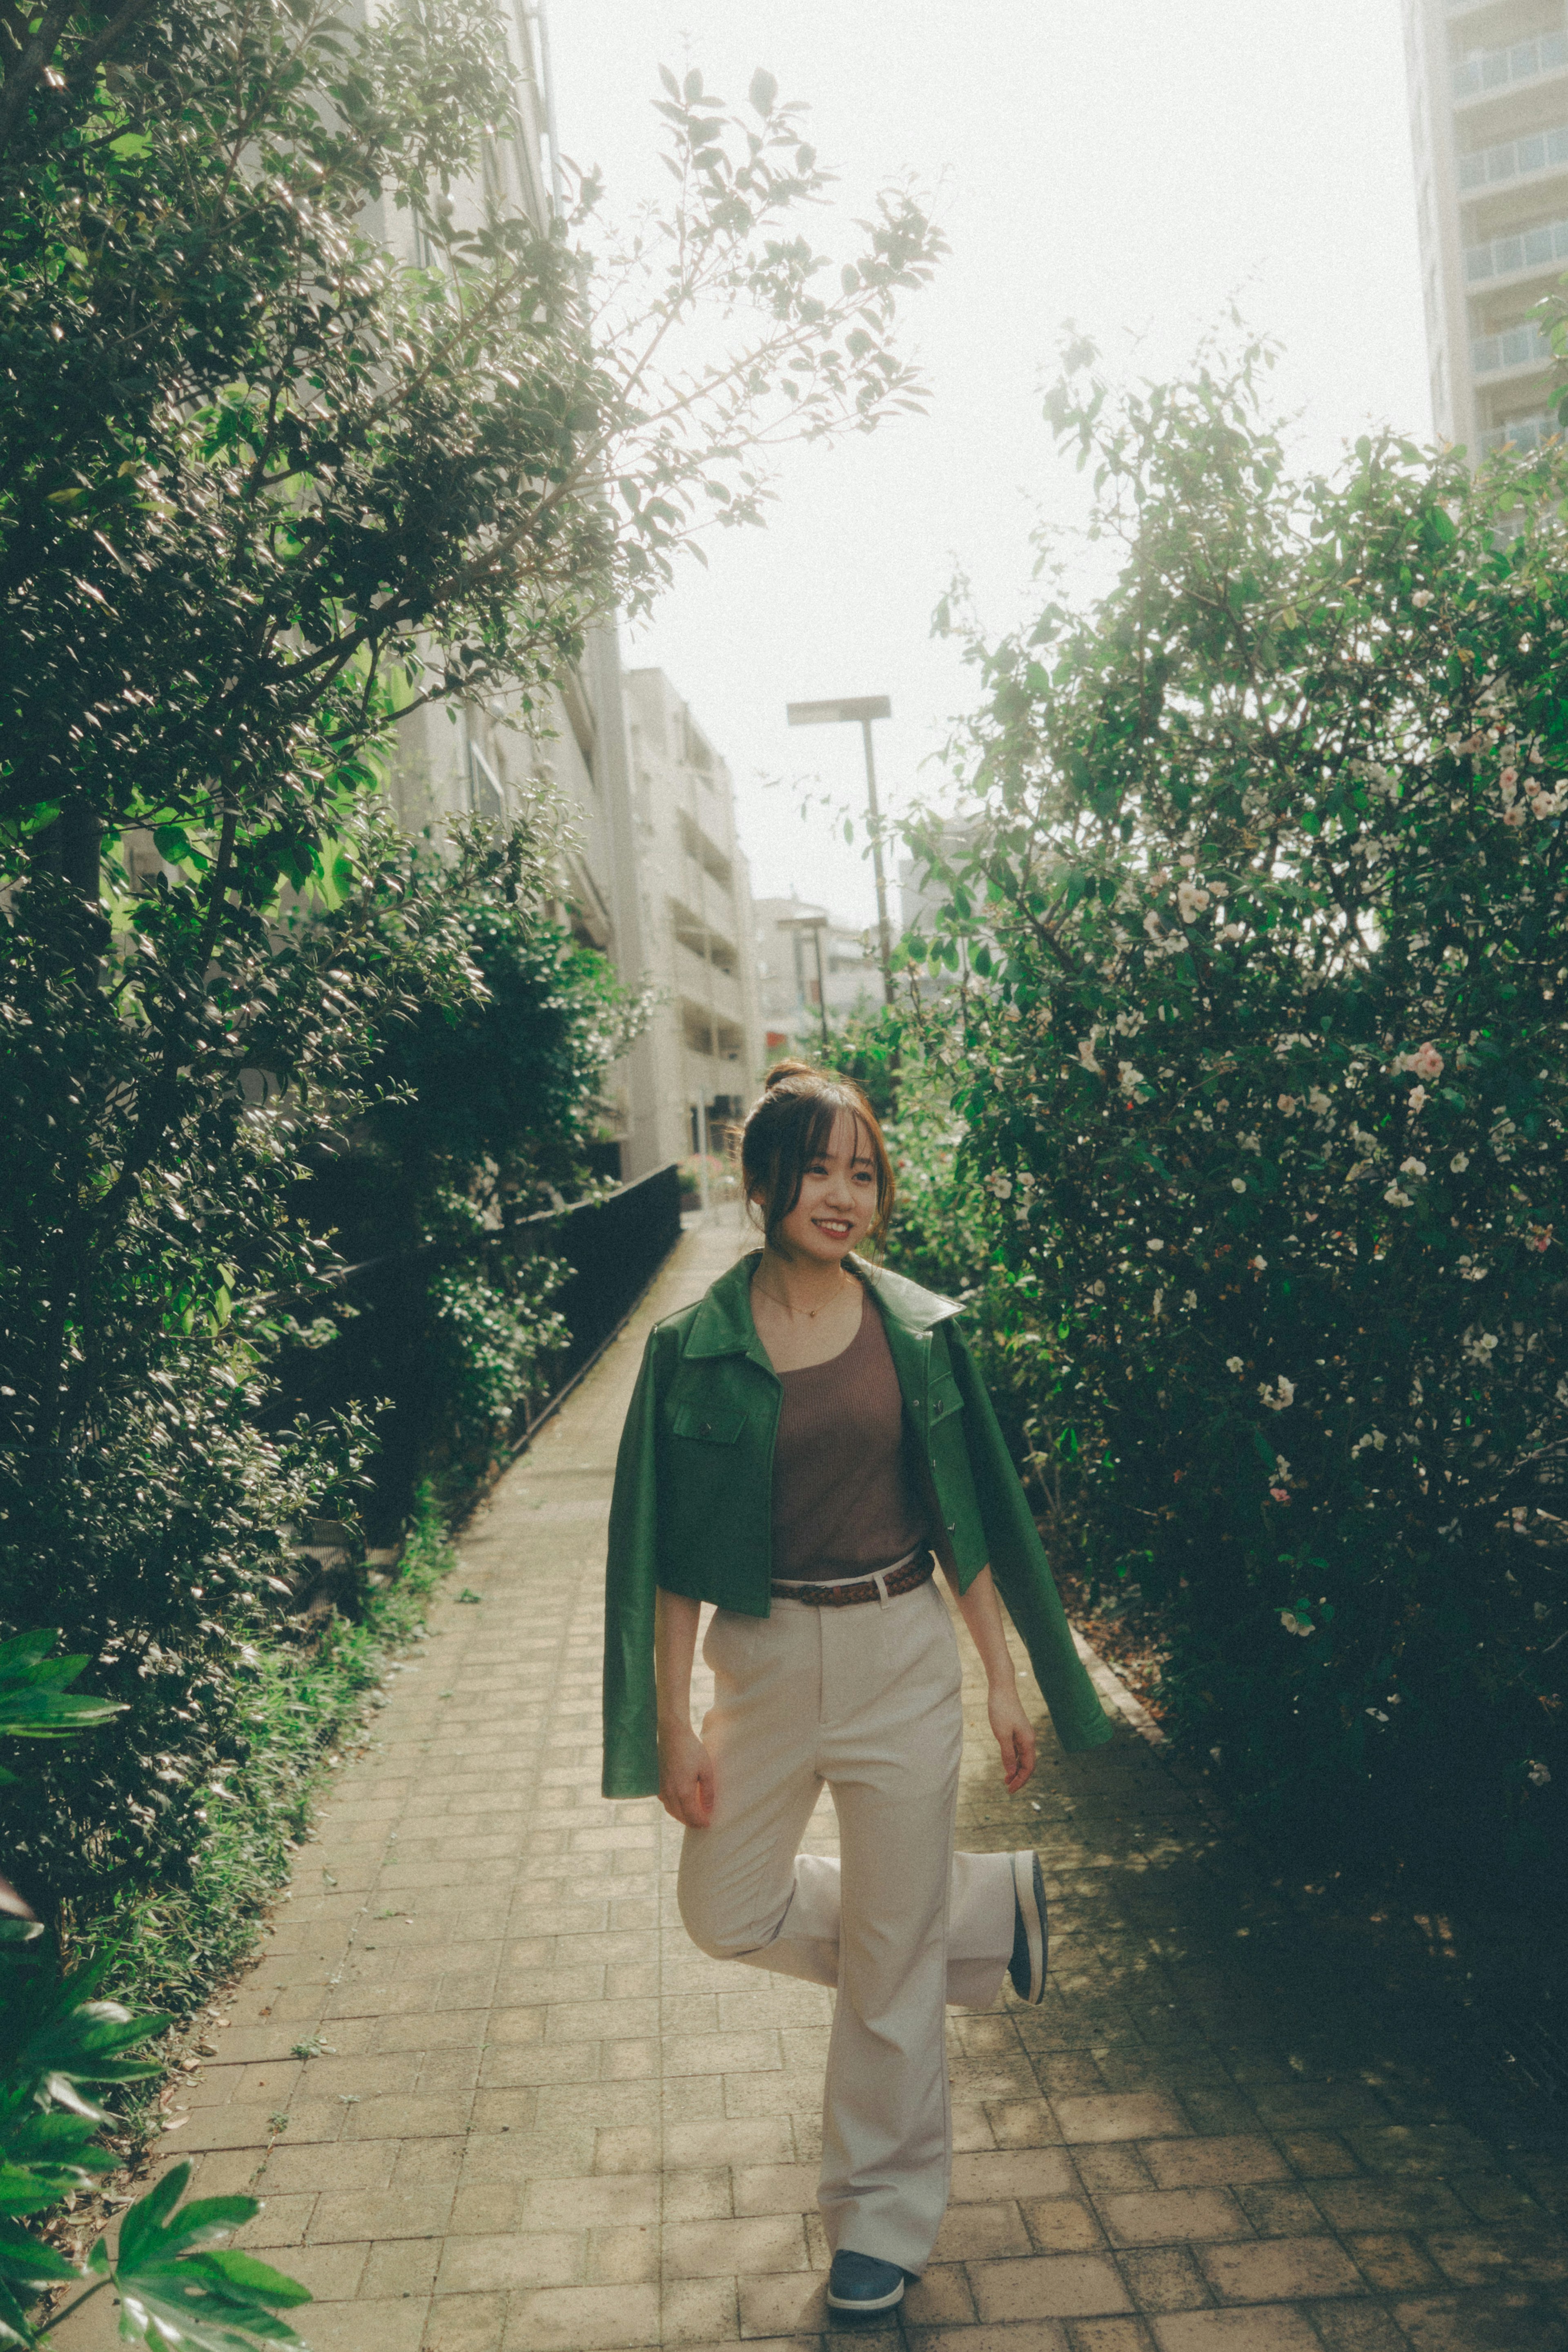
(1539, 1774)
(1459, 1162)
(1418, 1098)
(1421, 599)
(1412, 1167)
(1189, 1298)
(1129, 1024)
(1234, 931)
(1127, 1077)
(1290, 1105)
(1153, 924)
(1294, 1624)
(1025, 1179)
(1398, 1200)
(1317, 1100)
(1098, 1288)
(1002, 1187)
(1480, 1346)
(1249, 1142)
(1191, 900)
(1286, 1393)
(1086, 1054)
(1234, 1364)
(1257, 1264)
(1514, 816)
(1373, 1437)
(1154, 1244)
(1239, 1184)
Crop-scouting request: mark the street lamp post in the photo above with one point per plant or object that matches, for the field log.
(862, 709)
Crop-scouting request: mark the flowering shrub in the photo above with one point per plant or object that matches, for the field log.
(1257, 929)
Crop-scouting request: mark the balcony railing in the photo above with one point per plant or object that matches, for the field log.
(1514, 159)
(1516, 347)
(1489, 69)
(1524, 248)
(1525, 434)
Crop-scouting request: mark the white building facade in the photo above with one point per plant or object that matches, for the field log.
(469, 760)
(805, 955)
(1489, 115)
(693, 910)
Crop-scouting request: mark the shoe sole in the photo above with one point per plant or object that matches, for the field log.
(1032, 1913)
(866, 2303)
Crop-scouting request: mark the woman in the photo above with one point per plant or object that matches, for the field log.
(801, 1443)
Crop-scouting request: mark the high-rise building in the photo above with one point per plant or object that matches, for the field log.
(1488, 111)
(699, 1066)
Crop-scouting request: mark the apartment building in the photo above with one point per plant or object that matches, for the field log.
(693, 893)
(1489, 109)
(806, 955)
(471, 759)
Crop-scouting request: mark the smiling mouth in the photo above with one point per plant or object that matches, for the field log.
(836, 1228)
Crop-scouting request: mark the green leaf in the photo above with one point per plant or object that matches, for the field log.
(177, 2288)
(763, 92)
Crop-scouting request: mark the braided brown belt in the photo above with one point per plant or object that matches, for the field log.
(905, 1578)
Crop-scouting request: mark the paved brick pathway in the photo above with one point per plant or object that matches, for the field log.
(536, 2120)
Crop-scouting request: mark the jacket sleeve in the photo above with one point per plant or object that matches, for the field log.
(631, 1736)
(1021, 1570)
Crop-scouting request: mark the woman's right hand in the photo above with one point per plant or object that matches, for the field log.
(685, 1776)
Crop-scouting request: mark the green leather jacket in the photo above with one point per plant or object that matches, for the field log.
(693, 1486)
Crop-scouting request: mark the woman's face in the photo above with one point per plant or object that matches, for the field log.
(838, 1198)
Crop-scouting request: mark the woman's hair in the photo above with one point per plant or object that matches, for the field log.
(790, 1125)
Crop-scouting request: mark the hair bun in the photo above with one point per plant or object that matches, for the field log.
(782, 1070)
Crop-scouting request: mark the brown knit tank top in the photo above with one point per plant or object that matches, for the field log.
(844, 1501)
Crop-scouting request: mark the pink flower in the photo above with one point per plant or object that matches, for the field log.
(1514, 816)
(1426, 1061)
(1279, 1494)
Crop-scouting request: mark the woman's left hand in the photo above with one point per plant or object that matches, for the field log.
(1014, 1736)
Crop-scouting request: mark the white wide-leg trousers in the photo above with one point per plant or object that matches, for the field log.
(866, 1699)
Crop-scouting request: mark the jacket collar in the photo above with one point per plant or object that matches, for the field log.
(723, 1324)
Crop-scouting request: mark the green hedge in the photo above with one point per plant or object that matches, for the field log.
(1255, 954)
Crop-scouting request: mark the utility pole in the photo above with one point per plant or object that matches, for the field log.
(861, 709)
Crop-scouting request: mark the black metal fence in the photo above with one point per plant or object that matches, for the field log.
(385, 1352)
(614, 1247)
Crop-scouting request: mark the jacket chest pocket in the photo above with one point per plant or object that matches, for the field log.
(706, 1427)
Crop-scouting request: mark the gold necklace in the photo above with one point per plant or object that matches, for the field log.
(810, 1313)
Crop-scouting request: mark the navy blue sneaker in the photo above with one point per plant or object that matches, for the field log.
(1031, 1932)
(859, 2283)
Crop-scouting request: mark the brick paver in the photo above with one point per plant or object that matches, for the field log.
(496, 2103)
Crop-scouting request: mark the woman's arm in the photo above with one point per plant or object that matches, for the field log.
(982, 1613)
(685, 1769)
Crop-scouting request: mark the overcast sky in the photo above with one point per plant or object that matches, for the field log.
(1129, 165)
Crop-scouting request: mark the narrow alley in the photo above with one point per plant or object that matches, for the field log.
(496, 2103)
